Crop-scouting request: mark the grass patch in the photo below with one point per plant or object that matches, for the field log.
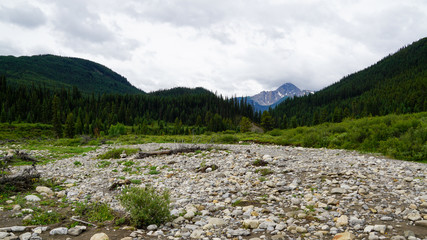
(44, 218)
(259, 163)
(115, 153)
(264, 171)
(153, 170)
(94, 212)
(103, 164)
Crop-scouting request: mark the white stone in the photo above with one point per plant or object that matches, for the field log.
(100, 236)
(250, 223)
(342, 221)
(197, 234)
(25, 236)
(43, 189)
(32, 198)
(59, 231)
(217, 222)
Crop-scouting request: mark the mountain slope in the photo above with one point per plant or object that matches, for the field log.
(396, 84)
(64, 72)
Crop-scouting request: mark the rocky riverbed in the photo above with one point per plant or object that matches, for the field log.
(258, 192)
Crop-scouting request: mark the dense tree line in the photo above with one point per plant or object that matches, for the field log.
(71, 112)
(396, 84)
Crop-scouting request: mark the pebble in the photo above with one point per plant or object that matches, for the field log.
(59, 231)
(32, 198)
(100, 236)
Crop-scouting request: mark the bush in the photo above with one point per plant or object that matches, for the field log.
(227, 139)
(116, 130)
(146, 206)
(115, 153)
(275, 133)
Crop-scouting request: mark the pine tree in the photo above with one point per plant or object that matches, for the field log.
(267, 121)
(57, 127)
(245, 125)
(69, 126)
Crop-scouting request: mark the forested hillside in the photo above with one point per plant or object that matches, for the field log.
(56, 72)
(396, 84)
(93, 114)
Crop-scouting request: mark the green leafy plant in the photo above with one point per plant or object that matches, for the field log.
(115, 153)
(259, 163)
(146, 205)
(103, 164)
(44, 218)
(264, 171)
(94, 212)
(77, 163)
(153, 170)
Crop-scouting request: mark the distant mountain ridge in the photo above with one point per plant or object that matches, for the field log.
(268, 98)
(56, 72)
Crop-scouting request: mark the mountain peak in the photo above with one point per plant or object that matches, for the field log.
(268, 98)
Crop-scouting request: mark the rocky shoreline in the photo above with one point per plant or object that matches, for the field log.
(259, 192)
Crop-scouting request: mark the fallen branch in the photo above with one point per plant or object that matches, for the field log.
(81, 221)
(141, 155)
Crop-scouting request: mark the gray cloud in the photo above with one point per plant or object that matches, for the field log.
(234, 47)
(26, 16)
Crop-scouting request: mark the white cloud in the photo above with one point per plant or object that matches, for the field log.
(235, 47)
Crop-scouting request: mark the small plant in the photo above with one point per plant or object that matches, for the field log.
(129, 163)
(262, 179)
(146, 205)
(135, 181)
(127, 169)
(103, 164)
(120, 221)
(310, 208)
(260, 163)
(77, 163)
(115, 153)
(44, 218)
(264, 171)
(94, 212)
(153, 170)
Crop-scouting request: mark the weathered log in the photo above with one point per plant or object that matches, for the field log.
(141, 155)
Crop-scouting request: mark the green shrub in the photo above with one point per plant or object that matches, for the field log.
(116, 130)
(146, 205)
(115, 153)
(227, 139)
(274, 132)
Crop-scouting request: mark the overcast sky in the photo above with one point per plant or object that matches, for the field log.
(234, 47)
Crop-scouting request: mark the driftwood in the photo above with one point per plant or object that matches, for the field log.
(23, 180)
(115, 185)
(212, 167)
(81, 221)
(141, 155)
